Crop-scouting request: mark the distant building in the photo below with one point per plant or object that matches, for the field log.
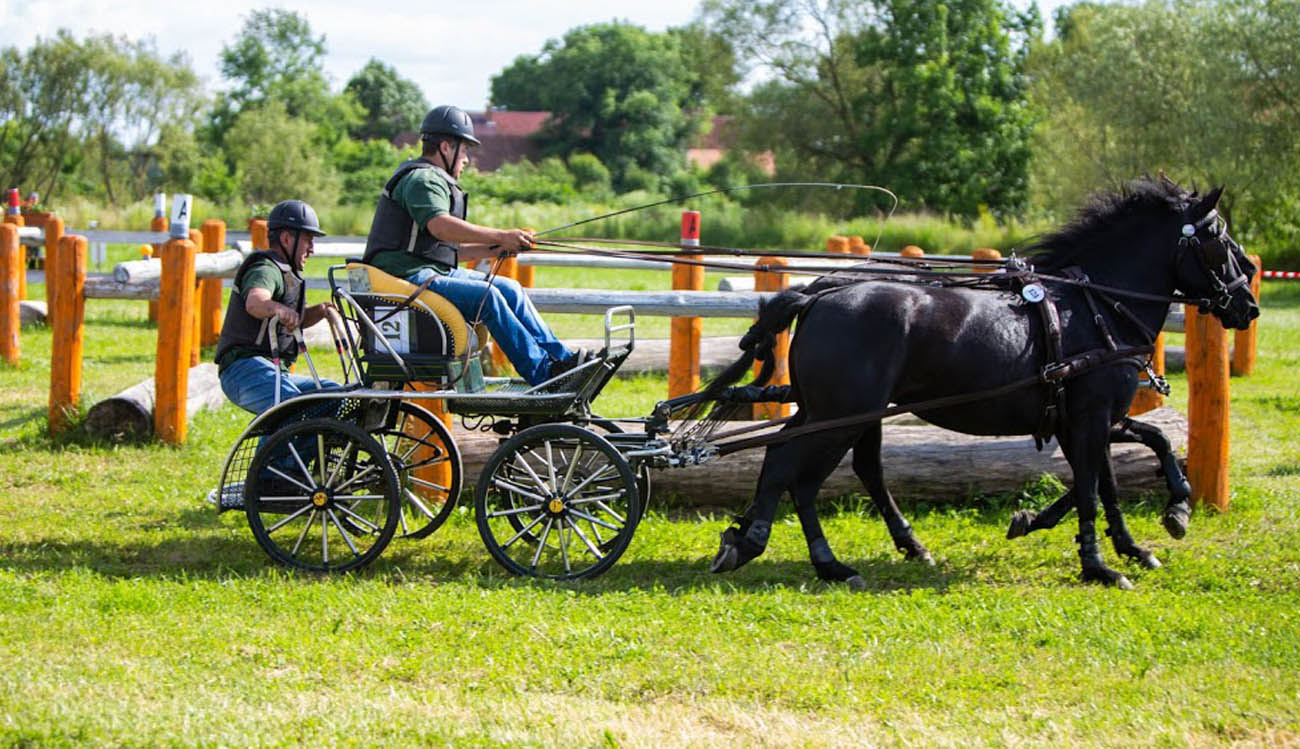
(508, 137)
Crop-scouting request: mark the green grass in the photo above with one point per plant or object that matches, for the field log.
(134, 615)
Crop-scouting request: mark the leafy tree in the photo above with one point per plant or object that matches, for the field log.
(101, 104)
(364, 166)
(1203, 90)
(614, 90)
(277, 57)
(276, 157)
(392, 103)
(927, 97)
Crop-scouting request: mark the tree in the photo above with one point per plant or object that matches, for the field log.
(614, 90)
(276, 57)
(1200, 89)
(101, 103)
(392, 103)
(923, 96)
(276, 158)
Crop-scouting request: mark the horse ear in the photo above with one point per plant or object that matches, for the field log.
(1164, 179)
(1206, 204)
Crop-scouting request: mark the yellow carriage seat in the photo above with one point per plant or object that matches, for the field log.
(426, 333)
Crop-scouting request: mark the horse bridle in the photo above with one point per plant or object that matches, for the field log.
(1214, 228)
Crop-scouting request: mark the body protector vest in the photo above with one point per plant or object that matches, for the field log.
(394, 229)
(242, 329)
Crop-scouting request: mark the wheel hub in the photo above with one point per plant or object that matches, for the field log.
(555, 506)
(320, 498)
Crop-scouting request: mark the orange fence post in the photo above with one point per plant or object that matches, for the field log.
(10, 270)
(439, 474)
(507, 267)
(1146, 398)
(15, 218)
(196, 337)
(53, 234)
(837, 245)
(67, 318)
(260, 239)
(214, 240)
(769, 276)
(157, 223)
(858, 246)
(1244, 341)
(1207, 408)
(175, 329)
(985, 253)
(911, 251)
(686, 332)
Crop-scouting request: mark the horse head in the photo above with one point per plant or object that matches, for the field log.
(1211, 266)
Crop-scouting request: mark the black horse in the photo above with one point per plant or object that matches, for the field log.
(1110, 274)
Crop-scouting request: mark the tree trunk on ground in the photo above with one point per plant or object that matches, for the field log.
(921, 463)
(129, 414)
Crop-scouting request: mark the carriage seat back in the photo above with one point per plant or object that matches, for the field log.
(426, 334)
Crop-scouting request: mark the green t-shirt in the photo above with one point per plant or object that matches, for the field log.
(425, 195)
(262, 274)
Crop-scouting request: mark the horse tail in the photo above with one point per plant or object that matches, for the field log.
(775, 315)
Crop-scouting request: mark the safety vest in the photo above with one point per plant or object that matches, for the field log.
(242, 329)
(394, 229)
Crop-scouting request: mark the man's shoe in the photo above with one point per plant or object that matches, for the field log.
(578, 357)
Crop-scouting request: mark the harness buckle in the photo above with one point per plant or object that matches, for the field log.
(1055, 372)
(1157, 381)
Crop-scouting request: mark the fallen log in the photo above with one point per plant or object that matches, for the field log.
(921, 463)
(31, 312)
(129, 414)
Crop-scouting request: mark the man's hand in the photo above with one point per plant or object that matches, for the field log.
(287, 317)
(316, 313)
(514, 240)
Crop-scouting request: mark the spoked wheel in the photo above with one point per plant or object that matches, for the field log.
(428, 469)
(641, 469)
(322, 495)
(557, 501)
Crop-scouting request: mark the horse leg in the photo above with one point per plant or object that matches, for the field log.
(1116, 528)
(1028, 521)
(1178, 511)
(747, 538)
(804, 494)
(866, 463)
(1085, 448)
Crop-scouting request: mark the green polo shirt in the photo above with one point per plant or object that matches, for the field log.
(425, 196)
(262, 274)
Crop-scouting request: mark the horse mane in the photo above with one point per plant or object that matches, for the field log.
(1106, 216)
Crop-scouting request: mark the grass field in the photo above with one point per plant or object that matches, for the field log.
(132, 614)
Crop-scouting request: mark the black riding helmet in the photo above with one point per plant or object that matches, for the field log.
(451, 121)
(296, 215)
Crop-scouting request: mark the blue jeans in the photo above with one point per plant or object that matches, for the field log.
(250, 384)
(509, 315)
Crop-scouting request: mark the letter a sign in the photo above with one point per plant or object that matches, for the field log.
(180, 225)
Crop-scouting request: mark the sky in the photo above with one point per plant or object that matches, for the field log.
(451, 50)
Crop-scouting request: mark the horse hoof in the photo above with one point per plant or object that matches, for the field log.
(1149, 561)
(725, 561)
(1020, 522)
(1106, 576)
(856, 583)
(1175, 520)
(923, 558)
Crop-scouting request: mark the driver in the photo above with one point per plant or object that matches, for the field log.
(419, 233)
(269, 285)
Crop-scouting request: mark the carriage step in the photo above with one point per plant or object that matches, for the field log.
(228, 497)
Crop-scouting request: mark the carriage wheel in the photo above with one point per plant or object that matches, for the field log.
(642, 468)
(428, 469)
(557, 501)
(322, 495)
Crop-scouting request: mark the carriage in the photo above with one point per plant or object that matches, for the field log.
(327, 479)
